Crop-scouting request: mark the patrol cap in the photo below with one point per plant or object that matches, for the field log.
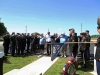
(98, 21)
(71, 29)
(98, 27)
(83, 33)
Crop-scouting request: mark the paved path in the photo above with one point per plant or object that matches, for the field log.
(38, 67)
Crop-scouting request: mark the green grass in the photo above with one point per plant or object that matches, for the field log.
(18, 62)
(56, 69)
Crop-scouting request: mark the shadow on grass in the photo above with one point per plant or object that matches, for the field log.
(90, 66)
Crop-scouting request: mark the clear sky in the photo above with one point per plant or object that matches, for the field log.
(57, 15)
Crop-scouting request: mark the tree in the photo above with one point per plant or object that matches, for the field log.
(3, 29)
(36, 33)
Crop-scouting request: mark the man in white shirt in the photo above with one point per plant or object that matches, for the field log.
(48, 41)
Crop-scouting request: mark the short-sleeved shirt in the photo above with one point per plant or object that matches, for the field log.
(63, 39)
(42, 40)
(48, 38)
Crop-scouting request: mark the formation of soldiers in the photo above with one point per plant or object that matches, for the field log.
(18, 43)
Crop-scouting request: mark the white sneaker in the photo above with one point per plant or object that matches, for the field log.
(65, 56)
(61, 56)
(39, 55)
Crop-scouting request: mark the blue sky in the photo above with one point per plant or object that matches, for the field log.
(57, 15)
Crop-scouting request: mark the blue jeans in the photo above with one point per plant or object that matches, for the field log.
(88, 53)
(98, 67)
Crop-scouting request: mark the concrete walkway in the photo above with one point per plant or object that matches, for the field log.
(93, 72)
(38, 67)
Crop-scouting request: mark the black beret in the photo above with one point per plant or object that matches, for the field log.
(71, 29)
(98, 21)
(76, 34)
(98, 27)
(13, 32)
(87, 30)
(83, 33)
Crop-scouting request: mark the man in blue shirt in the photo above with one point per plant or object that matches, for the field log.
(42, 43)
(63, 39)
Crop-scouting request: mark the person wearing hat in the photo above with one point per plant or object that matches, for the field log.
(28, 38)
(6, 43)
(73, 47)
(97, 54)
(13, 44)
(63, 39)
(83, 49)
(88, 45)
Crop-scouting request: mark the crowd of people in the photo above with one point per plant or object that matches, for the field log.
(22, 43)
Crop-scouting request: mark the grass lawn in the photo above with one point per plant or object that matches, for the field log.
(18, 62)
(56, 69)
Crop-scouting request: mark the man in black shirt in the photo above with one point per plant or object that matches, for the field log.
(88, 45)
(13, 44)
(6, 43)
(28, 42)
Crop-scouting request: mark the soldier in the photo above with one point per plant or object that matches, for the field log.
(19, 42)
(13, 44)
(23, 43)
(97, 55)
(24, 40)
(88, 45)
(16, 43)
(83, 49)
(73, 47)
(28, 42)
(6, 43)
(34, 44)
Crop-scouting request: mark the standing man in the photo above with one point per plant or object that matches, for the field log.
(97, 54)
(48, 40)
(73, 47)
(42, 43)
(83, 49)
(88, 45)
(34, 43)
(19, 42)
(13, 44)
(63, 39)
(6, 43)
(28, 42)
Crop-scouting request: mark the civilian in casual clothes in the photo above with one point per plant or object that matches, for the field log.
(57, 39)
(63, 39)
(48, 41)
(42, 43)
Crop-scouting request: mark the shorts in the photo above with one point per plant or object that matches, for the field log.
(42, 47)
